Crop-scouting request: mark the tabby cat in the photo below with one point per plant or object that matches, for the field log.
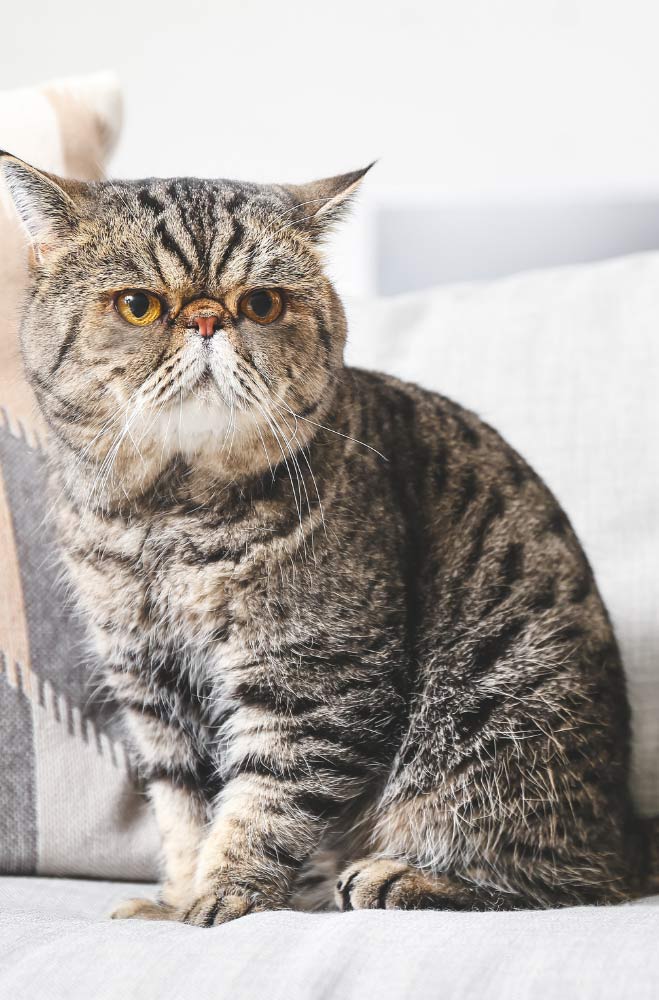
(358, 649)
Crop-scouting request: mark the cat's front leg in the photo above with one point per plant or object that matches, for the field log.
(285, 791)
(259, 841)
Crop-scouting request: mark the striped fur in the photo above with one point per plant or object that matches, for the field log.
(344, 620)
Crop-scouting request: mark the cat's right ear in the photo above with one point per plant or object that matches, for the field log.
(320, 204)
(45, 203)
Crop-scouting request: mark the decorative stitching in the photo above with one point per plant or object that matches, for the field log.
(60, 709)
(18, 429)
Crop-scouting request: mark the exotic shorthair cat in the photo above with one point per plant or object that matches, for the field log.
(358, 649)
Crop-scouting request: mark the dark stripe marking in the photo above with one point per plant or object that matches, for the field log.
(149, 201)
(281, 856)
(156, 263)
(67, 343)
(472, 721)
(511, 572)
(260, 694)
(494, 647)
(235, 239)
(469, 435)
(170, 244)
(319, 805)
(582, 587)
(512, 563)
(71, 413)
(545, 596)
(494, 509)
(325, 336)
(345, 891)
(467, 492)
(558, 522)
(385, 888)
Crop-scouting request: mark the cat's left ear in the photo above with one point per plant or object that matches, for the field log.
(47, 206)
(320, 204)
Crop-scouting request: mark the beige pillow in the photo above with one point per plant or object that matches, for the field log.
(68, 127)
(67, 801)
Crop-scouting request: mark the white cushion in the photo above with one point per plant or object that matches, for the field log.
(56, 942)
(565, 364)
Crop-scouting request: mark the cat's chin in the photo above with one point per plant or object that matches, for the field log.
(202, 424)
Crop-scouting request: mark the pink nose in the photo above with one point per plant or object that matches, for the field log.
(206, 325)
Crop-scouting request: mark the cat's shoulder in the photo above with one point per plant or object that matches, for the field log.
(436, 421)
(380, 387)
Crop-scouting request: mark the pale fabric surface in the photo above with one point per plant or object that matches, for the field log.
(57, 943)
(68, 127)
(89, 820)
(565, 364)
(67, 802)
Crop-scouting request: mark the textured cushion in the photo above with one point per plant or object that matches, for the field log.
(57, 933)
(565, 363)
(66, 800)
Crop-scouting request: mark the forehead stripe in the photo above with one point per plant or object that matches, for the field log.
(147, 200)
(156, 263)
(170, 244)
(236, 237)
(185, 219)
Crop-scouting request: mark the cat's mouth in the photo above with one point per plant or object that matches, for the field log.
(204, 387)
(210, 374)
(211, 385)
(204, 379)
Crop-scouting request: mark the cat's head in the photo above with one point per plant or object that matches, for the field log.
(180, 313)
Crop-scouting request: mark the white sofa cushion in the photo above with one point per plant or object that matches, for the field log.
(56, 942)
(565, 364)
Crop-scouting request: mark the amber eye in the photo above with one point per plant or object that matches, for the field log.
(139, 308)
(263, 305)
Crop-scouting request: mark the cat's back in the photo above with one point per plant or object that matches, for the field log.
(454, 459)
(491, 539)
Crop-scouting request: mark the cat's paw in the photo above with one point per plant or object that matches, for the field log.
(366, 884)
(386, 884)
(223, 904)
(143, 909)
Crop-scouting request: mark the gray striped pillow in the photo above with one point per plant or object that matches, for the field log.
(68, 804)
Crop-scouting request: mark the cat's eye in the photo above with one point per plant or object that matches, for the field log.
(263, 305)
(138, 307)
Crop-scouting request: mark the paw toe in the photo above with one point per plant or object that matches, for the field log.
(213, 909)
(366, 885)
(142, 909)
(203, 910)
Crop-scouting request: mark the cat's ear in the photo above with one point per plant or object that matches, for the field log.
(320, 204)
(46, 204)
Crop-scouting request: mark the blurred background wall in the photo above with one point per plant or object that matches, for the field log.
(509, 133)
